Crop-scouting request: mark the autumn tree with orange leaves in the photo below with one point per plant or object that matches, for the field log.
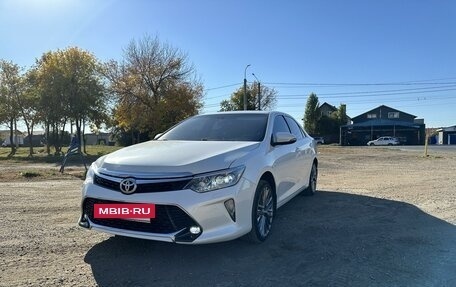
(155, 87)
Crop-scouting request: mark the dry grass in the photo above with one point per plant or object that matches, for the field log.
(42, 166)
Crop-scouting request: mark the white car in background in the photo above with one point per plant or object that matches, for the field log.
(211, 178)
(384, 141)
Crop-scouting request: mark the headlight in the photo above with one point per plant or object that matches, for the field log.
(216, 180)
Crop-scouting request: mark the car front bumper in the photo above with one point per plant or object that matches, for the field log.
(177, 212)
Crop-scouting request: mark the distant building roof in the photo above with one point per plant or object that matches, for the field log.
(331, 107)
(383, 122)
(381, 106)
(7, 132)
(447, 129)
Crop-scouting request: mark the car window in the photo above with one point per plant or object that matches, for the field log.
(295, 130)
(220, 127)
(280, 125)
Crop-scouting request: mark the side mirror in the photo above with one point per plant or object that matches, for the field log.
(282, 138)
(157, 136)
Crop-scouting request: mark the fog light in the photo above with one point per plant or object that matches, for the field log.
(195, 230)
(231, 208)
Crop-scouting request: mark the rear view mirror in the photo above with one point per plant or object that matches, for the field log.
(282, 138)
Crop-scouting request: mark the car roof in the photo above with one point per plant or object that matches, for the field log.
(248, 112)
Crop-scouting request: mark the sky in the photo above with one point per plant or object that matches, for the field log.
(359, 53)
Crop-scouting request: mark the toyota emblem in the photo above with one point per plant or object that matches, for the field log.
(128, 185)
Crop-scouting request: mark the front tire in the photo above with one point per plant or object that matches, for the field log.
(263, 212)
(312, 188)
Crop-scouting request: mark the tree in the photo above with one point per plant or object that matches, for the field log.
(342, 114)
(179, 104)
(10, 89)
(52, 103)
(71, 90)
(329, 125)
(311, 116)
(84, 88)
(155, 87)
(28, 105)
(236, 101)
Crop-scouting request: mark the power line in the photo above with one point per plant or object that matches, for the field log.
(212, 105)
(395, 100)
(428, 104)
(361, 110)
(221, 87)
(359, 84)
(403, 100)
(383, 91)
(443, 87)
(361, 102)
(431, 80)
(297, 96)
(447, 85)
(414, 82)
(219, 96)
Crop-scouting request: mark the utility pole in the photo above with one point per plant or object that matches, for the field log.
(259, 92)
(245, 87)
(259, 96)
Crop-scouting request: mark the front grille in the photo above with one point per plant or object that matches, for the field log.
(168, 219)
(106, 183)
(144, 187)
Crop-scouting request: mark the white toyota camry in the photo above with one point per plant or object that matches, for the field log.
(211, 178)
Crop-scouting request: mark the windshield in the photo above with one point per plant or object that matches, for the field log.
(220, 127)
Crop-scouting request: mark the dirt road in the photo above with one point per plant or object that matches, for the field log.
(382, 217)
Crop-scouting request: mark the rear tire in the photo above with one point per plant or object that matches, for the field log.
(263, 212)
(312, 188)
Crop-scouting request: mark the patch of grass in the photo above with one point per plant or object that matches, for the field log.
(433, 156)
(37, 174)
(40, 155)
(30, 174)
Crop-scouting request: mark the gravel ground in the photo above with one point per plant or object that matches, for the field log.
(382, 217)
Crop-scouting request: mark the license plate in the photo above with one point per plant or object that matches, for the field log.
(134, 211)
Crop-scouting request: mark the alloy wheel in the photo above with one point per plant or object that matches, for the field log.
(265, 211)
(313, 179)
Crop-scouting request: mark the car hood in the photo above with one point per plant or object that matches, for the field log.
(174, 158)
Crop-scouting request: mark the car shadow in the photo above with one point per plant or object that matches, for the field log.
(330, 239)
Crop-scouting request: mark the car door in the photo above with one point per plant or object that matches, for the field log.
(303, 149)
(284, 164)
